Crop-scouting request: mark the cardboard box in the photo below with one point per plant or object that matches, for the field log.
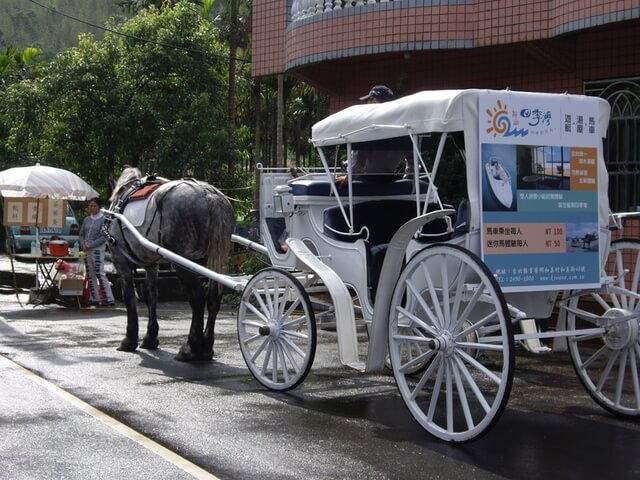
(70, 286)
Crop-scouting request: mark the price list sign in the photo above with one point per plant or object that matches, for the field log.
(33, 212)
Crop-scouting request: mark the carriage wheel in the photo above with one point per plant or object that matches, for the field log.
(447, 301)
(276, 329)
(607, 363)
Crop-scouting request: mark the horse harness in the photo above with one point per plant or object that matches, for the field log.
(138, 190)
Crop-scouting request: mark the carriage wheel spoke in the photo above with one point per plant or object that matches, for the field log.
(283, 363)
(621, 370)
(635, 352)
(601, 301)
(423, 304)
(253, 323)
(436, 390)
(470, 306)
(417, 321)
(596, 355)
(635, 281)
(457, 300)
(259, 350)
(488, 373)
(259, 314)
(474, 327)
(293, 322)
(473, 385)
(286, 348)
(449, 395)
(267, 357)
(292, 346)
(462, 395)
(293, 334)
(433, 293)
(444, 272)
(419, 360)
(261, 303)
(607, 371)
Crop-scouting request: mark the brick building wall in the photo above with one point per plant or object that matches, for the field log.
(413, 45)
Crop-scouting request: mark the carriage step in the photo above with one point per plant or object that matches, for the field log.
(530, 342)
(359, 366)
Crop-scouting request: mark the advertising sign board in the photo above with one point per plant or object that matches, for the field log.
(539, 191)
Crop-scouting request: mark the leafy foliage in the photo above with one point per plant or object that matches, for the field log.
(172, 93)
(158, 103)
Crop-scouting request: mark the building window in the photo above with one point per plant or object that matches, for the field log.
(622, 146)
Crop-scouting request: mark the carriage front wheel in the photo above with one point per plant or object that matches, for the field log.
(606, 353)
(276, 329)
(448, 301)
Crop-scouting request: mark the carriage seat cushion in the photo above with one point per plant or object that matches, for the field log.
(322, 188)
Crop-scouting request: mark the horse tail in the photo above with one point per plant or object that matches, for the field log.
(222, 223)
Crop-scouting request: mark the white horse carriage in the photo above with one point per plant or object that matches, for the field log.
(445, 293)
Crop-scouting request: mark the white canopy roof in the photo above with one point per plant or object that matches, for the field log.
(427, 111)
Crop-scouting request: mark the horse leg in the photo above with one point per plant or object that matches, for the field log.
(214, 300)
(150, 340)
(195, 347)
(130, 342)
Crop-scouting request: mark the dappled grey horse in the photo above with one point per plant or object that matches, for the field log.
(188, 217)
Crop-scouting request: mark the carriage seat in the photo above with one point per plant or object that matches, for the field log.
(376, 222)
(322, 188)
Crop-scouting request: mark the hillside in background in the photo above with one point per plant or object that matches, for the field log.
(26, 24)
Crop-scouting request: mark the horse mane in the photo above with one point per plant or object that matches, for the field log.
(127, 177)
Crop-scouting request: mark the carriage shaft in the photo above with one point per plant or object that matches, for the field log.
(226, 280)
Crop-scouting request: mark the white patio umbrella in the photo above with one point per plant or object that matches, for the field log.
(41, 181)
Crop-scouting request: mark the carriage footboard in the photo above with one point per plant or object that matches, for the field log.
(345, 319)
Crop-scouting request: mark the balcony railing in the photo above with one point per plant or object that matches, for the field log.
(303, 9)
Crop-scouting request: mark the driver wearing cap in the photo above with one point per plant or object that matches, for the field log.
(378, 165)
(378, 94)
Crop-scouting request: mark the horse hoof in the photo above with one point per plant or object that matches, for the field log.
(186, 354)
(149, 343)
(128, 345)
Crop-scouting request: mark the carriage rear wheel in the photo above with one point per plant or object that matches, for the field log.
(276, 329)
(607, 361)
(448, 302)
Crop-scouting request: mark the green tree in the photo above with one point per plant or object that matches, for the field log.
(153, 96)
(18, 65)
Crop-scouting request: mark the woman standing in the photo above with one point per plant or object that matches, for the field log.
(93, 242)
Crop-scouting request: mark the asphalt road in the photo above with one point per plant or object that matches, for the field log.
(79, 409)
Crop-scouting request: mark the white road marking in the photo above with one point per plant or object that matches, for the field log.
(122, 429)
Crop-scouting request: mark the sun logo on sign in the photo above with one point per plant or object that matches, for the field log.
(500, 123)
